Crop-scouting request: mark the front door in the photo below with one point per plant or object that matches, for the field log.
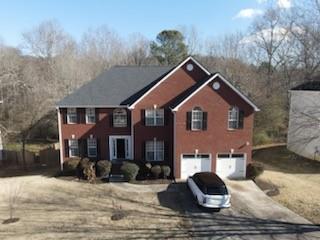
(121, 148)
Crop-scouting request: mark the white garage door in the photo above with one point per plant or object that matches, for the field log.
(231, 165)
(191, 164)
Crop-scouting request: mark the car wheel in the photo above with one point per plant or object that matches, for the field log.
(196, 201)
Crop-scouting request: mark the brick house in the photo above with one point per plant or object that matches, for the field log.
(182, 116)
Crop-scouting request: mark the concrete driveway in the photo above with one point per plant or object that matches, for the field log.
(253, 215)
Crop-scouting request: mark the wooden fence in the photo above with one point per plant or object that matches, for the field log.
(14, 158)
(48, 157)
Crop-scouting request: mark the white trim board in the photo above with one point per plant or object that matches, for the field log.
(176, 108)
(167, 76)
(129, 146)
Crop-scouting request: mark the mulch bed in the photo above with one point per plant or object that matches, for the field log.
(153, 181)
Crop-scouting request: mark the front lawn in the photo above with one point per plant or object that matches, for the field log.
(50, 208)
(297, 180)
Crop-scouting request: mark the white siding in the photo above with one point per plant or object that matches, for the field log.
(304, 124)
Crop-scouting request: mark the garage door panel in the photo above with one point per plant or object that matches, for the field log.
(191, 165)
(232, 166)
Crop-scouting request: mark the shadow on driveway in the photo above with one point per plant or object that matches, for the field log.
(230, 223)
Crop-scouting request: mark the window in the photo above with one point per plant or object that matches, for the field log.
(119, 118)
(73, 148)
(154, 117)
(154, 150)
(233, 118)
(72, 115)
(90, 115)
(197, 116)
(92, 147)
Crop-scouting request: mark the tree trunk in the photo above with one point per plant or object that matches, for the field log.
(24, 163)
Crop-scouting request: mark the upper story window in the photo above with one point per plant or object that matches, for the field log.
(72, 115)
(155, 150)
(235, 118)
(92, 147)
(197, 119)
(73, 148)
(90, 115)
(119, 118)
(154, 117)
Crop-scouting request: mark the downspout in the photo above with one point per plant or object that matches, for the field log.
(132, 135)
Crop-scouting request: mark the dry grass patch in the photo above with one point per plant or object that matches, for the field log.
(297, 178)
(56, 209)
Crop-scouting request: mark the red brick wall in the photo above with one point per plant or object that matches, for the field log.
(101, 130)
(162, 96)
(217, 138)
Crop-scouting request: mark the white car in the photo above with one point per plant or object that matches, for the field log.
(209, 190)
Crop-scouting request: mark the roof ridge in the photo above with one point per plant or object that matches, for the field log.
(137, 66)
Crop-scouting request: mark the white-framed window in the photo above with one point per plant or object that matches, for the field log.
(73, 148)
(90, 115)
(154, 117)
(119, 118)
(196, 118)
(72, 116)
(92, 147)
(233, 118)
(154, 150)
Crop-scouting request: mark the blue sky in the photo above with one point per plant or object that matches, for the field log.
(210, 17)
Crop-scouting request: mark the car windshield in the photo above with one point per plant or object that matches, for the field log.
(217, 190)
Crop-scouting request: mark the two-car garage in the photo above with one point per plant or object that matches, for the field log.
(227, 165)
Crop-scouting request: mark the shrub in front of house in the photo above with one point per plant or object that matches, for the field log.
(70, 166)
(103, 168)
(130, 171)
(89, 172)
(156, 171)
(81, 166)
(254, 170)
(166, 170)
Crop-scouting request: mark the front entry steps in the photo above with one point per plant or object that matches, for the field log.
(116, 178)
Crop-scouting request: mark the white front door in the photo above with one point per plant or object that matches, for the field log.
(231, 165)
(120, 147)
(191, 164)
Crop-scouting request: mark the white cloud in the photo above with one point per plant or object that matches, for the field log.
(248, 13)
(261, 1)
(284, 3)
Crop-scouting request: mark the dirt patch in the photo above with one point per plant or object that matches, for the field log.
(268, 187)
(10, 220)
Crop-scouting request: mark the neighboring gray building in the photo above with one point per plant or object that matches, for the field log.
(304, 120)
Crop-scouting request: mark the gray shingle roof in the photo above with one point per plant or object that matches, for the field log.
(120, 85)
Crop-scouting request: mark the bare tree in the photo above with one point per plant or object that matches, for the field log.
(139, 50)
(13, 194)
(192, 39)
(101, 48)
(267, 36)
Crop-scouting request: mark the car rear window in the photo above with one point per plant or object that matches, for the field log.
(217, 190)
